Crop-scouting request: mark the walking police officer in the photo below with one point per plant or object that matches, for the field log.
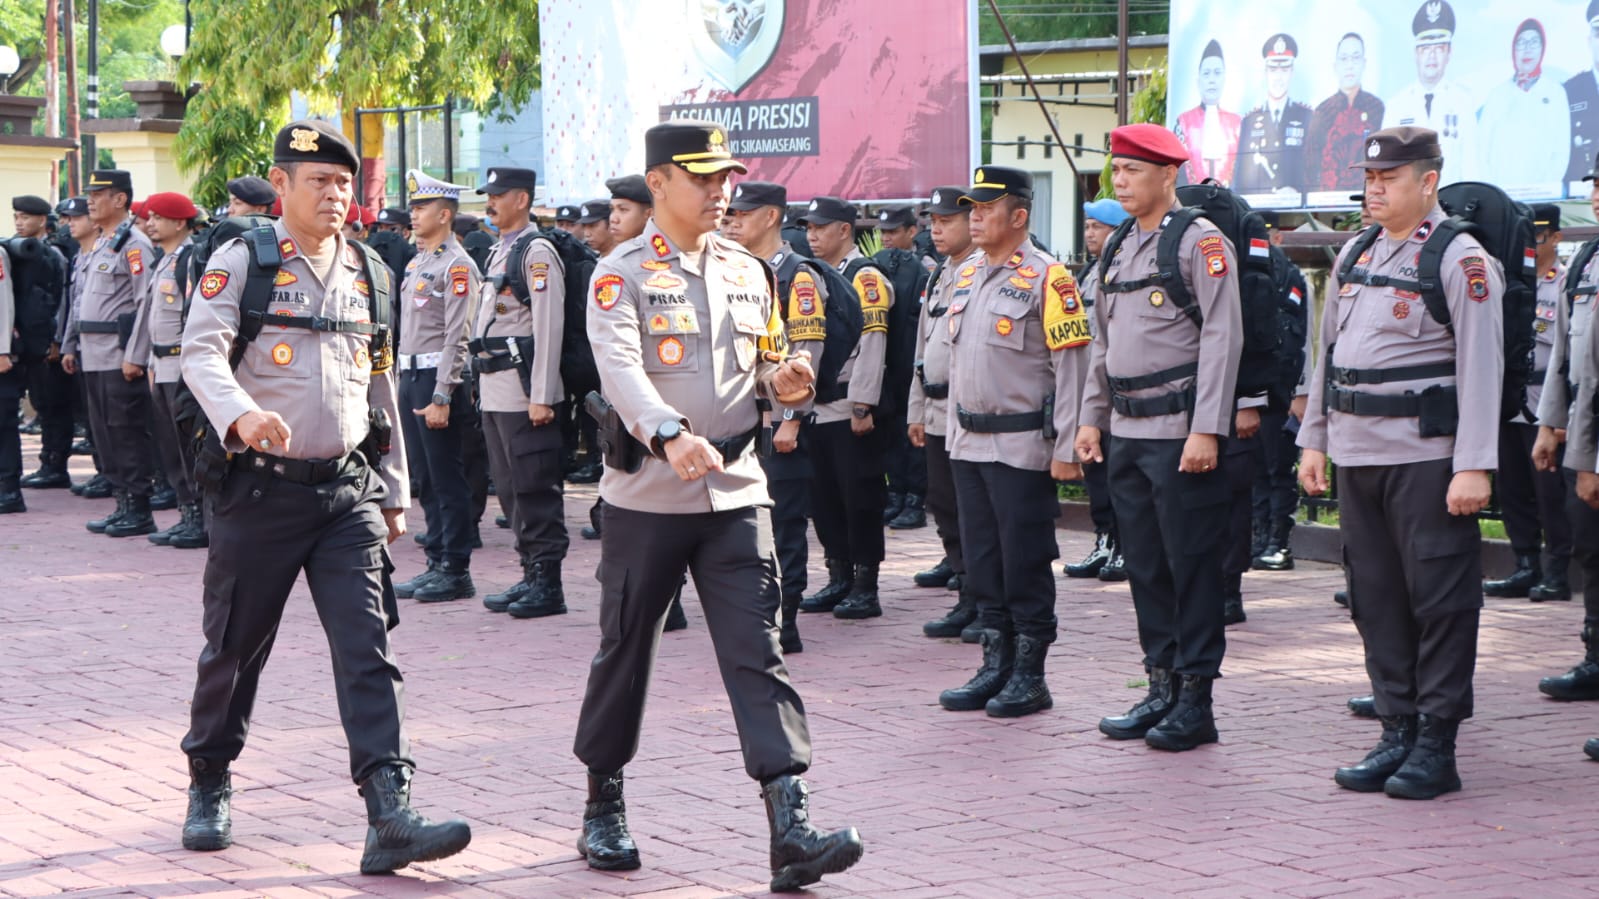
(681, 325)
(1162, 383)
(1407, 408)
(307, 492)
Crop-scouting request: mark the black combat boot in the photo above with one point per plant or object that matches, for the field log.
(676, 620)
(1232, 601)
(605, 841)
(1362, 706)
(98, 525)
(1149, 711)
(1581, 683)
(896, 502)
(1429, 770)
(545, 596)
(163, 498)
(52, 473)
(1342, 598)
(789, 636)
(1190, 723)
(1519, 582)
(972, 633)
(396, 835)
(801, 854)
(164, 537)
(937, 576)
(1026, 692)
(136, 522)
(209, 824)
(11, 500)
(1369, 775)
(451, 580)
(862, 599)
(1259, 537)
(1591, 748)
(407, 589)
(499, 602)
(912, 514)
(97, 487)
(1098, 556)
(194, 534)
(955, 620)
(1277, 556)
(840, 580)
(1554, 587)
(991, 677)
(1116, 568)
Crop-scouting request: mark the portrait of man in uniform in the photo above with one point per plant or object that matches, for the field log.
(1271, 152)
(1209, 132)
(1582, 104)
(1339, 126)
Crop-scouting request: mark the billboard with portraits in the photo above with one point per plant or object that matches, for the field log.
(1276, 97)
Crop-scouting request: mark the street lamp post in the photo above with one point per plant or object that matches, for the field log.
(9, 63)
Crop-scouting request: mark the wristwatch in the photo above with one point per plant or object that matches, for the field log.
(440, 399)
(788, 414)
(668, 431)
(861, 411)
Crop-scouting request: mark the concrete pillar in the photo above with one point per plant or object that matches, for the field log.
(143, 145)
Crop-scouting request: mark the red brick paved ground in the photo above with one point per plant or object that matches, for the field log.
(98, 639)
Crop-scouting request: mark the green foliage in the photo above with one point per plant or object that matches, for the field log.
(1032, 20)
(869, 242)
(221, 140)
(1147, 104)
(130, 48)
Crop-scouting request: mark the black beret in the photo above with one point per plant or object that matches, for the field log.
(946, 201)
(252, 189)
(502, 179)
(630, 187)
(749, 195)
(566, 214)
(311, 140)
(31, 204)
(464, 224)
(826, 210)
(73, 206)
(897, 217)
(700, 147)
(112, 179)
(593, 211)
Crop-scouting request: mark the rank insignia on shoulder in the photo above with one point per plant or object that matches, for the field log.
(660, 246)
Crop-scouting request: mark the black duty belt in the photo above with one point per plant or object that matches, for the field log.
(309, 472)
(490, 344)
(1354, 402)
(166, 350)
(1153, 379)
(1350, 377)
(502, 362)
(1538, 374)
(89, 327)
(1008, 423)
(935, 391)
(733, 447)
(1153, 406)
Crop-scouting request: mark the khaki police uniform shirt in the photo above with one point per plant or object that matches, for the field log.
(1573, 321)
(1015, 333)
(863, 370)
(321, 382)
(501, 314)
(8, 306)
(932, 349)
(1545, 326)
(115, 282)
(678, 338)
(804, 316)
(1142, 332)
(1384, 327)
(160, 320)
(67, 328)
(440, 296)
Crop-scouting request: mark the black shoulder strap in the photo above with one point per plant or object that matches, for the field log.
(516, 267)
(1430, 268)
(181, 273)
(265, 260)
(1169, 267)
(1112, 244)
(377, 275)
(119, 238)
(1579, 264)
(1358, 248)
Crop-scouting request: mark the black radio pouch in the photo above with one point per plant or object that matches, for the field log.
(617, 447)
(1440, 411)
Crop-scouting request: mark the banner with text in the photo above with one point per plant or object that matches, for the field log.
(1276, 97)
(827, 97)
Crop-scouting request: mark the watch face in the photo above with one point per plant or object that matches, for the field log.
(669, 430)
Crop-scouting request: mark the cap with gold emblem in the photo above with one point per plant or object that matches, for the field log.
(501, 179)
(991, 182)
(1546, 215)
(1434, 23)
(1391, 148)
(110, 179)
(749, 195)
(699, 147)
(1279, 51)
(424, 187)
(311, 140)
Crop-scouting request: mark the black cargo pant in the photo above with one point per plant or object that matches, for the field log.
(1415, 585)
(1096, 480)
(1240, 463)
(526, 461)
(264, 532)
(942, 501)
(1276, 488)
(119, 419)
(52, 393)
(446, 495)
(788, 480)
(906, 465)
(176, 448)
(730, 556)
(1007, 526)
(1172, 528)
(11, 387)
(849, 494)
(1532, 503)
(1584, 522)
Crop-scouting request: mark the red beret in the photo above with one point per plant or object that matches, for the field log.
(1148, 142)
(137, 208)
(171, 205)
(359, 214)
(277, 207)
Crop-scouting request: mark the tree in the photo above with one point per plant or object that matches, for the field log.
(1147, 104)
(130, 47)
(1051, 20)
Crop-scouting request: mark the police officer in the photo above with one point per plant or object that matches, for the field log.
(11, 387)
(681, 324)
(1410, 479)
(594, 226)
(158, 338)
(1104, 559)
(1017, 338)
(303, 495)
(439, 294)
(630, 207)
(40, 282)
(518, 419)
(83, 233)
(928, 409)
(116, 278)
(1566, 444)
(391, 220)
(1434, 100)
(566, 219)
(1162, 384)
(250, 195)
(850, 495)
(1532, 502)
(906, 463)
(1271, 140)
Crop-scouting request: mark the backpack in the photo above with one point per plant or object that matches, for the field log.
(39, 274)
(1504, 228)
(905, 272)
(579, 372)
(1260, 300)
(1294, 318)
(844, 318)
(194, 258)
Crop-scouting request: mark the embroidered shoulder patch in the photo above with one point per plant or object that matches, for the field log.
(874, 308)
(607, 290)
(1065, 319)
(212, 283)
(460, 280)
(1476, 271)
(1214, 249)
(806, 318)
(135, 259)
